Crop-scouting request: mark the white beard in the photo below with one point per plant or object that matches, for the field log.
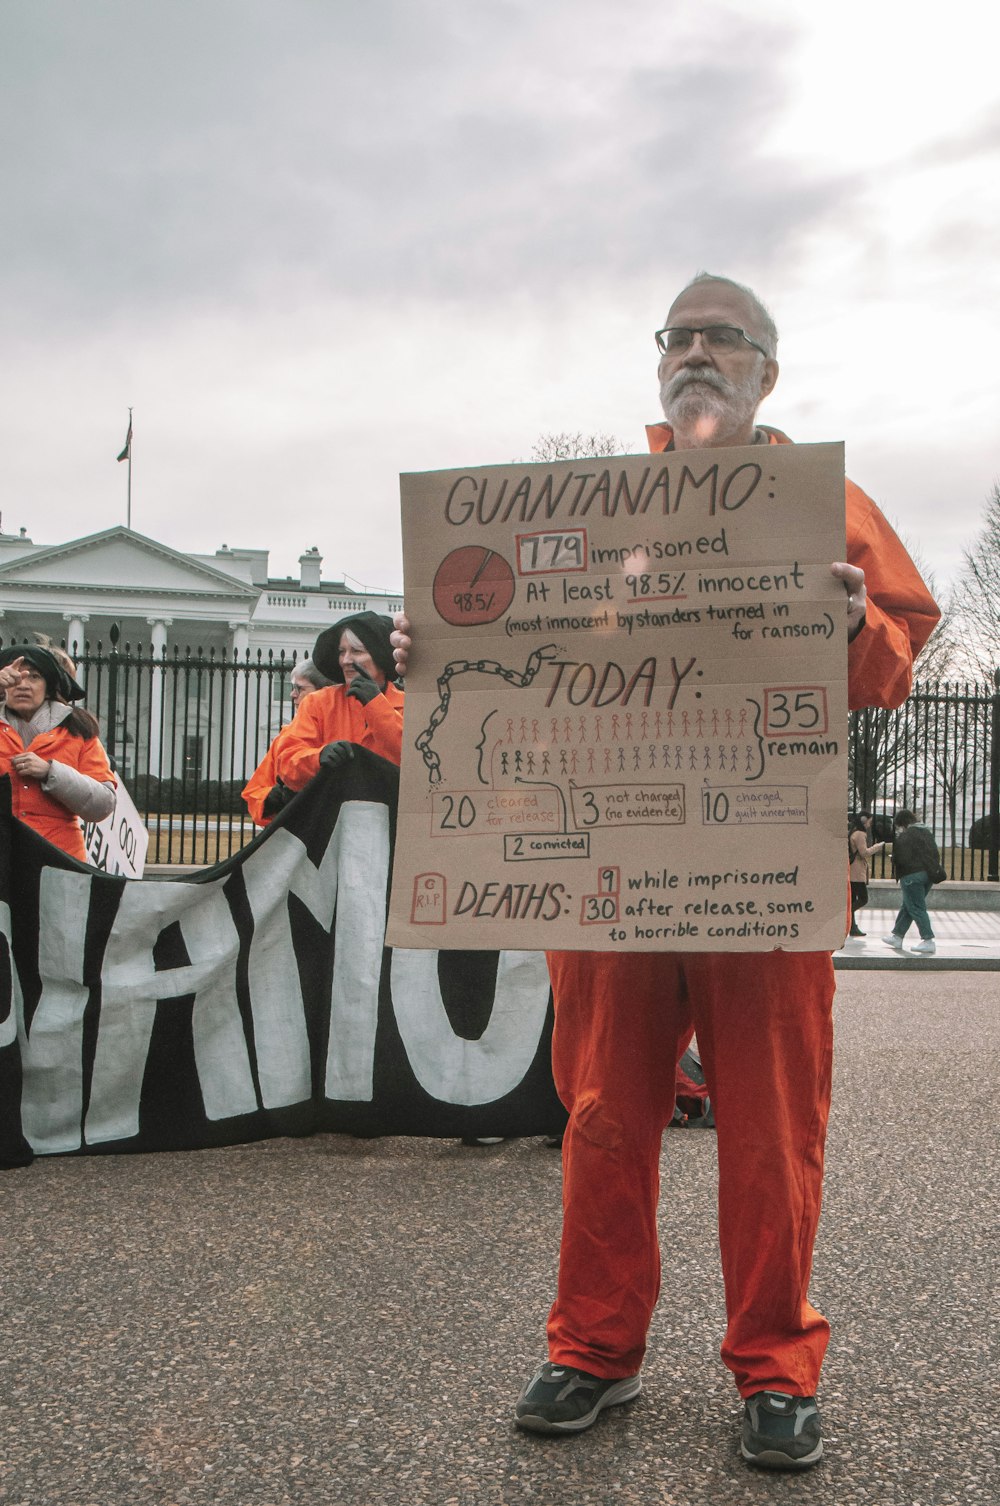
(701, 402)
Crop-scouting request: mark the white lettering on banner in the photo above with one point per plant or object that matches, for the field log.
(351, 882)
(8, 1025)
(362, 848)
(220, 1046)
(52, 1055)
(448, 1066)
(131, 987)
(345, 893)
(279, 1022)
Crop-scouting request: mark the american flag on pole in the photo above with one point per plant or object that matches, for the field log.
(126, 453)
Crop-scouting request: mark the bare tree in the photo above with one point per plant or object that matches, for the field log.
(878, 763)
(941, 657)
(878, 759)
(978, 593)
(958, 740)
(565, 446)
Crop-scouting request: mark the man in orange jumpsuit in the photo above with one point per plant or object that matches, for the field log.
(763, 1021)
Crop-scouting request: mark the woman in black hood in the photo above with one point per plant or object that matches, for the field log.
(362, 706)
(371, 630)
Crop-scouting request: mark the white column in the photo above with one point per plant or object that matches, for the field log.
(74, 638)
(236, 714)
(157, 648)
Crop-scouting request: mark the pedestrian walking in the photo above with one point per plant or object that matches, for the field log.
(916, 862)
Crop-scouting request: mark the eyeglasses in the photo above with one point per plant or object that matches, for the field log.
(723, 338)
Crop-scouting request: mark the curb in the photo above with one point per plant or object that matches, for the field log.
(909, 963)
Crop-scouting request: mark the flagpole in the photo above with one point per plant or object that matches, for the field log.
(126, 454)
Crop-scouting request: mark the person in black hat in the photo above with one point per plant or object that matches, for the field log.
(58, 769)
(362, 706)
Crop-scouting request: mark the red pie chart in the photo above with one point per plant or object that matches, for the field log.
(473, 585)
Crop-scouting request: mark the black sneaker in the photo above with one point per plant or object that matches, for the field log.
(781, 1431)
(559, 1399)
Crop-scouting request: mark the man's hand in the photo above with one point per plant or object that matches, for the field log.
(30, 766)
(334, 754)
(857, 598)
(362, 687)
(401, 642)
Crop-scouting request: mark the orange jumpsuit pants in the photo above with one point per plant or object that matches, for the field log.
(764, 1027)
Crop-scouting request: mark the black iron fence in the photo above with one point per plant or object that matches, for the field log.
(939, 756)
(186, 729)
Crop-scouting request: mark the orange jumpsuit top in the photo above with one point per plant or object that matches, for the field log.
(262, 782)
(330, 716)
(900, 613)
(41, 811)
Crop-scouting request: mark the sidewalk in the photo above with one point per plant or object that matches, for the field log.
(966, 939)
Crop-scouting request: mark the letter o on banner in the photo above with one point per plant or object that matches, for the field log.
(449, 1067)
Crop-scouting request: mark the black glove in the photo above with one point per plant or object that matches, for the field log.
(276, 799)
(334, 754)
(362, 687)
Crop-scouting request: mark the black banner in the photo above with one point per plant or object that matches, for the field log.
(255, 998)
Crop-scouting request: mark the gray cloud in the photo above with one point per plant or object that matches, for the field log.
(209, 206)
(980, 139)
(213, 153)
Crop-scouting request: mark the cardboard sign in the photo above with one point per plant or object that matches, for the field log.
(118, 844)
(626, 706)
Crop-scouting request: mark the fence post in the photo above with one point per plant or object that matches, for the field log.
(994, 865)
(112, 715)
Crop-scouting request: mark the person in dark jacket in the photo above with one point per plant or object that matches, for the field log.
(917, 863)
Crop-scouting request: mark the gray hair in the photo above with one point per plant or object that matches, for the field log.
(306, 670)
(767, 328)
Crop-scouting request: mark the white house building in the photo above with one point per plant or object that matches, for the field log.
(157, 605)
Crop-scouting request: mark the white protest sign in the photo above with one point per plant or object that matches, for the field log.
(118, 844)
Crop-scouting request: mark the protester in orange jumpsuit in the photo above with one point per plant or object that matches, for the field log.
(763, 1021)
(59, 771)
(360, 707)
(264, 793)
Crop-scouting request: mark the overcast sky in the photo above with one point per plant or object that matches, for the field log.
(314, 243)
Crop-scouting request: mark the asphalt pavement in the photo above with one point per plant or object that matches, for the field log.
(348, 1321)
